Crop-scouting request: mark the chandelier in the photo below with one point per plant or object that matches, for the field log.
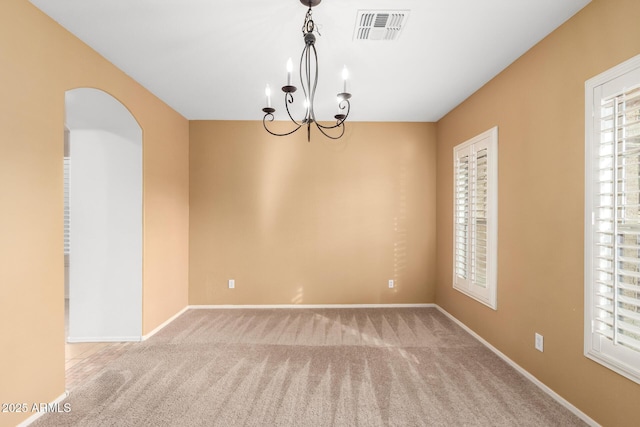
(309, 81)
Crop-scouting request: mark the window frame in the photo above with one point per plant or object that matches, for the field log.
(487, 294)
(611, 83)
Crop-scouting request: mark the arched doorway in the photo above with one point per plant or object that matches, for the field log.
(105, 218)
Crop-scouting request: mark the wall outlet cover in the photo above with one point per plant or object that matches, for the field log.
(539, 343)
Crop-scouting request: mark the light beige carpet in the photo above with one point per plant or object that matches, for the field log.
(308, 367)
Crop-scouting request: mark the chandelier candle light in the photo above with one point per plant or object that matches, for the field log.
(309, 81)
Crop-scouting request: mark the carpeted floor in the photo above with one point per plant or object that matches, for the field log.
(310, 367)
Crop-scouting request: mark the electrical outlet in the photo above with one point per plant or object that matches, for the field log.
(391, 284)
(539, 342)
(232, 283)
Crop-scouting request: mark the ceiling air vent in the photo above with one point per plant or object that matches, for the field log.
(380, 25)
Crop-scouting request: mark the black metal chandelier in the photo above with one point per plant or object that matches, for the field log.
(309, 81)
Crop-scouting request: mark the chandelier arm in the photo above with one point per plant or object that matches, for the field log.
(269, 117)
(321, 128)
(338, 124)
(288, 99)
(348, 107)
(342, 120)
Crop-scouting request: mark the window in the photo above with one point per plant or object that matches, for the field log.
(612, 219)
(475, 231)
(67, 162)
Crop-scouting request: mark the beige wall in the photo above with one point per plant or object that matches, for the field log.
(39, 61)
(538, 105)
(320, 222)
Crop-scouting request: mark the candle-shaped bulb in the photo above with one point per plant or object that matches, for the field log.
(306, 104)
(289, 70)
(267, 92)
(345, 76)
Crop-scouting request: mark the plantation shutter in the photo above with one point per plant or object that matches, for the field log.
(479, 218)
(66, 205)
(475, 217)
(462, 212)
(616, 252)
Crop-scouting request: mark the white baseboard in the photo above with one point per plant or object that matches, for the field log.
(584, 417)
(73, 340)
(304, 306)
(159, 328)
(37, 415)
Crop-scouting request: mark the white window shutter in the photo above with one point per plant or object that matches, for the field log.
(67, 162)
(461, 215)
(479, 244)
(612, 216)
(475, 217)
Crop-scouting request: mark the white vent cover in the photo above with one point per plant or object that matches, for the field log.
(380, 24)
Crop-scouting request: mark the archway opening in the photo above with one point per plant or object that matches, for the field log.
(103, 235)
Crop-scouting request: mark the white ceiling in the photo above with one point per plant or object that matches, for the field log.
(211, 59)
